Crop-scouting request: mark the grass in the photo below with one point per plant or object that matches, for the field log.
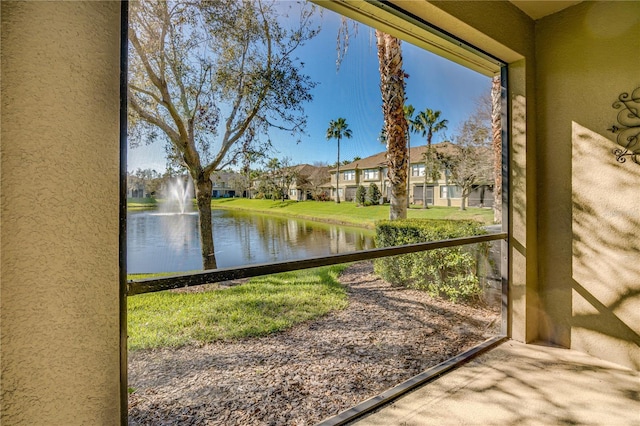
(260, 307)
(136, 204)
(347, 213)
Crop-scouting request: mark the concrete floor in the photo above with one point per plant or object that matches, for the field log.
(518, 384)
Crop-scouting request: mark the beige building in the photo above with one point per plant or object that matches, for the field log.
(442, 192)
(227, 184)
(573, 246)
(309, 182)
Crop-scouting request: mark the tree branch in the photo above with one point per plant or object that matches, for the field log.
(153, 119)
(146, 92)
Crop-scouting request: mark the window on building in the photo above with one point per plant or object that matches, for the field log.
(350, 175)
(371, 174)
(450, 191)
(417, 170)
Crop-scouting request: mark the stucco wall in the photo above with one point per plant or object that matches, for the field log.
(589, 205)
(59, 184)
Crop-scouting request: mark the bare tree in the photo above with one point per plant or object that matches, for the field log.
(472, 161)
(211, 77)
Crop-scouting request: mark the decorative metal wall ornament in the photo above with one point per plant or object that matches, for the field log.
(628, 127)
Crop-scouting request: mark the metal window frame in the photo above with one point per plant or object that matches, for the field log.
(124, 63)
(130, 288)
(151, 285)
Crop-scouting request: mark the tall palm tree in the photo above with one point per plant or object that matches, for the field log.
(496, 128)
(428, 123)
(409, 110)
(392, 90)
(394, 130)
(431, 123)
(338, 129)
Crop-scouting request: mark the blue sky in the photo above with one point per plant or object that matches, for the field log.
(353, 92)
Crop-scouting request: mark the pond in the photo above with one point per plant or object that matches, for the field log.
(167, 242)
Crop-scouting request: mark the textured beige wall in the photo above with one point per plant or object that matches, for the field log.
(59, 194)
(589, 205)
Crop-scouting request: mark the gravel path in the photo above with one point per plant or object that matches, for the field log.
(312, 371)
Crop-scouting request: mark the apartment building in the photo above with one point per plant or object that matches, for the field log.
(440, 192)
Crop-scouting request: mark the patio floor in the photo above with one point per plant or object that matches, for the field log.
(518, 384)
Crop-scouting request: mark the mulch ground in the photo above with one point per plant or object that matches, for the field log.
(312, 371)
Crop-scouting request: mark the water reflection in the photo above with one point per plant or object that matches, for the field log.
(158, 242)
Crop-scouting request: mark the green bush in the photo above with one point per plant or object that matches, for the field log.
(373, 195)
(361, 195)
(449, 272)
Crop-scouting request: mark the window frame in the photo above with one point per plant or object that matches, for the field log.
(349, 175)
(367, 172)
(134, 287)
(447, 190)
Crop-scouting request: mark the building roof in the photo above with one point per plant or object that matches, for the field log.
(380, 159)
(310, 171)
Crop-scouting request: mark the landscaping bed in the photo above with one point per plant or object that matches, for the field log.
(313, 370)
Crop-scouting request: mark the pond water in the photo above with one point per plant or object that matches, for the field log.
(165, 242)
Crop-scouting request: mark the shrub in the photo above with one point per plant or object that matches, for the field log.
(321, 196)
(449, 272)
(361, 195)
(373, 195)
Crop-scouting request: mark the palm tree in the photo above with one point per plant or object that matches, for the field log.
(409, 110)
(496, 128)
(392, 90)
(394, 130)
(338, 129)
(428, 122)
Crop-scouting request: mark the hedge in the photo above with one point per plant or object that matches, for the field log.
(448, 272)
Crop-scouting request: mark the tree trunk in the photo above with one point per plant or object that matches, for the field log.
(463, 203)
(392, 90)
(408, 168)
(203, 197)
(424, 189)
(338, 176)
(496, 129)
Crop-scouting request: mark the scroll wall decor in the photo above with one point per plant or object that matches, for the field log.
(627, 129)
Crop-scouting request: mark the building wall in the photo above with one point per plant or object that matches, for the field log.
(589, 204)
(59, 202)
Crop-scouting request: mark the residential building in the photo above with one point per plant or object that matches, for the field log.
(309, 182)
(441, 192)
(301, 182)
(136, 187)
(227, 184)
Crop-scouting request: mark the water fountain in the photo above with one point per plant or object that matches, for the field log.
(178, 197)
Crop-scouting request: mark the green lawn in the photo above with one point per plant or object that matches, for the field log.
(347, 212)
(262, 306)
(136, 204)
